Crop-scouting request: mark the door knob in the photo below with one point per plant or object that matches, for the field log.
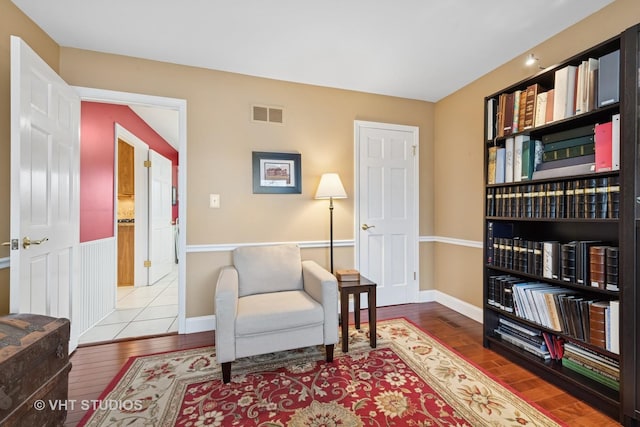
(366, 226)
(26, 242)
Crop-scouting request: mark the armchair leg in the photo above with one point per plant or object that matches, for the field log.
(226, 372)
(329, 351)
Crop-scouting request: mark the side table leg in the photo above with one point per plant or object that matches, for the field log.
(344, 315)
(356, 309)
(372, 317)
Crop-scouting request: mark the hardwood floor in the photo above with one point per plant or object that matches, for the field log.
(95, 366)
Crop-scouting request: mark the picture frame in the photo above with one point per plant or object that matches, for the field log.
(277, 173)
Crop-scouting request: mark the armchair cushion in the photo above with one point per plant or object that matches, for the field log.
(277, 312)
(259, 271)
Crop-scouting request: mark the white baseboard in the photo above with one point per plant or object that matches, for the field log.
(200, 324)
(462, 307)
(208, 323)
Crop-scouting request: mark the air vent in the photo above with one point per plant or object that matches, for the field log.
(267, 114)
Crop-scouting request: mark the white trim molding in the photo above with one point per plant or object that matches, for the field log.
(200, 324)
(228, 247)
(462, 307)
(451, 241)
(4, 262)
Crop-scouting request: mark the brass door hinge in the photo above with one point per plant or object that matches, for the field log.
(147, 263)
(147, 163)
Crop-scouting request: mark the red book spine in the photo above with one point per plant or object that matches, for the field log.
(603, 147)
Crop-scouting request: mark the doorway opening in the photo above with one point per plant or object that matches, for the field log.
(146, 306)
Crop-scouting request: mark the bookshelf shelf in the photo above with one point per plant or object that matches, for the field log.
(579, 385)
(560, 220)
(568, 285)
(561, 224)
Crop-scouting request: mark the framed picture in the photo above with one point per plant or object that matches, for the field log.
(277, 173)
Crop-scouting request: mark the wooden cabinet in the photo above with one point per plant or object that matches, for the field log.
(125, 254)
(126, 169)
(541, 309)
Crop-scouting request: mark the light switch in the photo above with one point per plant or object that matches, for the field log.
(214, 201)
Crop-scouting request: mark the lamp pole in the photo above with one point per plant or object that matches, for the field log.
(331, 230)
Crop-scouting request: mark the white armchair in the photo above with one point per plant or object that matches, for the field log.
(270, 300)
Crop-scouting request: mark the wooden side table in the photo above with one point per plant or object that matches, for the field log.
(354, 288)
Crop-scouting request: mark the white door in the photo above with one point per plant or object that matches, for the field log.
(161, 243)
(45, 161)
(387, 209)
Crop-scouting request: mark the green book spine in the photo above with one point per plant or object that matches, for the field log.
(590, 374)
(571, 142)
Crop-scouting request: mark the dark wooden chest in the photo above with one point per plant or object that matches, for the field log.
(34, 370)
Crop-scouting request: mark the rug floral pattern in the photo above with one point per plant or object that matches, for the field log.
(409, 380)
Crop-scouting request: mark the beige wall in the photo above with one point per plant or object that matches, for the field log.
(319, 125)
(459, 147)
(221, 137)
(13, 22)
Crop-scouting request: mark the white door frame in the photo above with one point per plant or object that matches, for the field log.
(413, 292)
(180, 105)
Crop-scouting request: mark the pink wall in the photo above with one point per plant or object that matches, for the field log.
(97, 151)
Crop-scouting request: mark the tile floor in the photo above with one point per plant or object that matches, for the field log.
(148, 310)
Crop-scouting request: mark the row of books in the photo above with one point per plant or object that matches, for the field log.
(577, 89)
(597, 197)
(568, 311)
(591, 364)
(582, 150)
(584, 262)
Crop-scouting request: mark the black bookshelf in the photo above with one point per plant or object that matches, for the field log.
(509, 209)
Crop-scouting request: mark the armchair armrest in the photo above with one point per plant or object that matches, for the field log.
(323, 287)
(226, 308)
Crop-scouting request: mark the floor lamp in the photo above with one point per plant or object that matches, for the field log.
(330, 187)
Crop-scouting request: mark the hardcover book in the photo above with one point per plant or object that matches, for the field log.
(609, 79)
(541, 109)
(565, 86)
(597, 330)
(530, 105)
(597, 266)
(603, 147)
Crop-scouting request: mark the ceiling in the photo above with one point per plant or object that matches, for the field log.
(417, 49)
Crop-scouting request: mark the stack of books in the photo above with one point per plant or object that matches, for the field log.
(596, 366)
(348, 275)
(524, 337)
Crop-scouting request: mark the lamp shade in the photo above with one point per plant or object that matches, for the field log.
(330, 187)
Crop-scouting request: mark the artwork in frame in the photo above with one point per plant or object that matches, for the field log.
(278, 173)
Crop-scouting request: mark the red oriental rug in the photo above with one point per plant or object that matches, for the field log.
(411, 379)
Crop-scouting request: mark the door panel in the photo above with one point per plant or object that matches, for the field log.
(45, 160)
(387, 203)
(160, 217)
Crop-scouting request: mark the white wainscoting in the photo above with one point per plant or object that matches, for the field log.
(97, 290)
